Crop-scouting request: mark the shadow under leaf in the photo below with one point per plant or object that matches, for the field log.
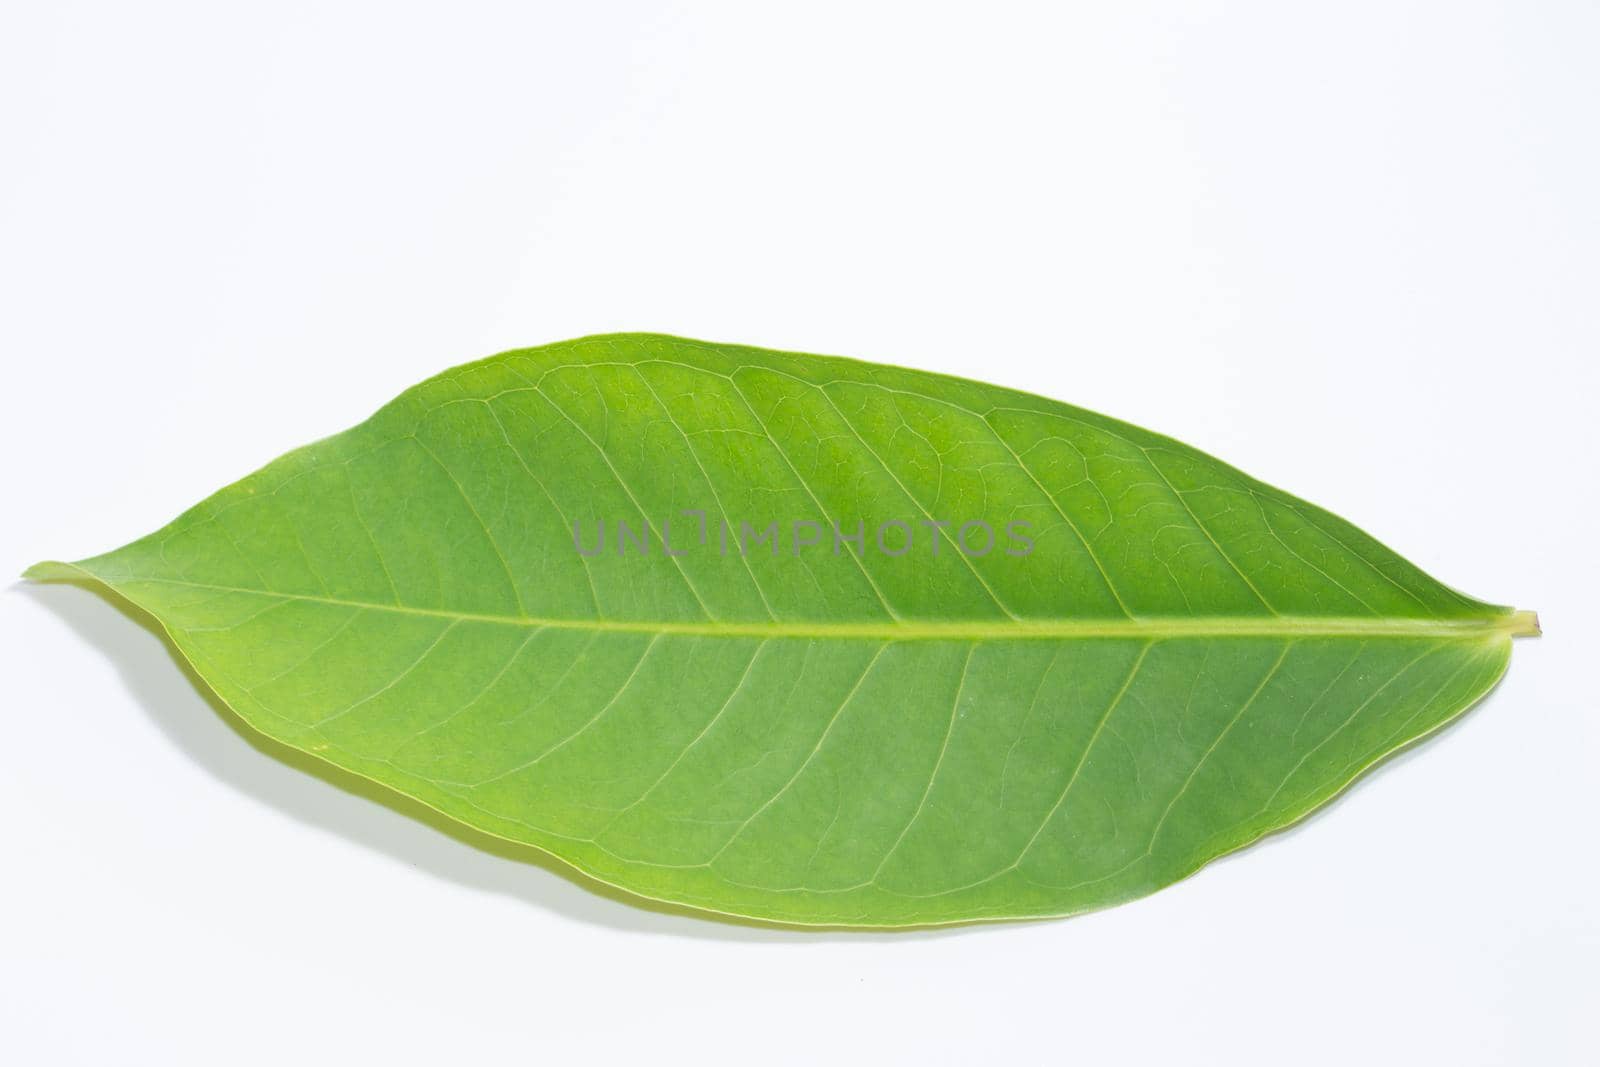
(358, 809)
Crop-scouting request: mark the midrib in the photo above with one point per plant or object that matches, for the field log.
(1512, 624)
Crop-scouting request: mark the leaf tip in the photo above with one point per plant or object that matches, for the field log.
(51, 571)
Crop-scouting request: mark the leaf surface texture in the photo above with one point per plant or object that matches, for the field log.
(1187, 659)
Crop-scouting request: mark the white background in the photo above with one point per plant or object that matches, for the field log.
(1351, 248)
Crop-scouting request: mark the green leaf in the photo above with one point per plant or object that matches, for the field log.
(826, 733)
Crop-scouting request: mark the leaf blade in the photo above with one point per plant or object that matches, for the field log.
(846, 739)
